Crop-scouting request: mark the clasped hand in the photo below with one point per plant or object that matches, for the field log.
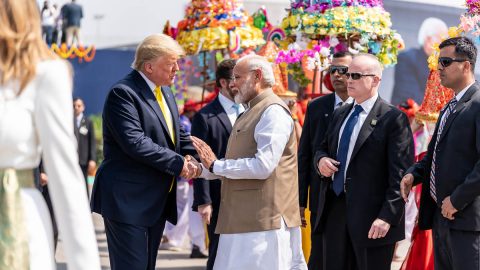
(191, 168)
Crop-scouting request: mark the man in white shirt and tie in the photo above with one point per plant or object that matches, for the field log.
(367, 147)
(213, 124)
(259, 218)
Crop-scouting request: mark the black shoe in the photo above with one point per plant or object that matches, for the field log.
(197, 254)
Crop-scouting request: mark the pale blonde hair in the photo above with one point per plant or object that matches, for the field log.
(21, 43)
(154, 46)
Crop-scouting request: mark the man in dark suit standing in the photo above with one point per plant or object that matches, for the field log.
(411, 71)
(135, 185)
(450, 171)
(213, 125)
(367, 147)
(85, 135)
(317, 118)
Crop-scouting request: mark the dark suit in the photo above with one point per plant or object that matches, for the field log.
(134, 189)
(457, 175)
(212, 125)
(85, 135)
(317, 118)
(411, 74)
(382, 152)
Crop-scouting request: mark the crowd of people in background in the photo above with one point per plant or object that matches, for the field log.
(61, 25)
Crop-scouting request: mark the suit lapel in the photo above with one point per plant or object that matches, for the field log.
(368, 126)
(459, 107)
(222, 115)
(338, 125)
(150, 99)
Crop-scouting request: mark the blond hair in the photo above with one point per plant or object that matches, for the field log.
(155, 46)
(21, 43)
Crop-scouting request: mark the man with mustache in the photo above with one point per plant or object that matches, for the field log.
(259, 215)
(317, 118)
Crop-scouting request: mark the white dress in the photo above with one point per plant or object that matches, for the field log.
(40, 122)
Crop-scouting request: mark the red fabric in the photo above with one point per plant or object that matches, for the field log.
(420, 255)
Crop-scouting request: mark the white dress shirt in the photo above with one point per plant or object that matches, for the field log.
(339, 102)
(78, 119)
(39, 122)
(367, 106)
(229, 107)
(165, 105)
(271, 134)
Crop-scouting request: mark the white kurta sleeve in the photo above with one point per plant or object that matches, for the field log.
(54, 126)
(272, 133)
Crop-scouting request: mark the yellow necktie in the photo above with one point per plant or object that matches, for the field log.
(168, 119)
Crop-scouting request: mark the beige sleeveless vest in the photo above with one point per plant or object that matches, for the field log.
(254, 205)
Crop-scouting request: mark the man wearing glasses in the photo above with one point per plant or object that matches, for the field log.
(450, 171)
(317, 118)
(366, 149)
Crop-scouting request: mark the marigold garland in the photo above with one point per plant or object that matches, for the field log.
(80, 52)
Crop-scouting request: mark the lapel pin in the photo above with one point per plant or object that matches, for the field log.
(326, 115)
(374, 122)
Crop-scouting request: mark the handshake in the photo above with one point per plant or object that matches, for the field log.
(191, 168)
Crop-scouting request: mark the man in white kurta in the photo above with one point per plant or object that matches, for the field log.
(259, 216)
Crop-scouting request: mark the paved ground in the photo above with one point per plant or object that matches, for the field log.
(166, 260)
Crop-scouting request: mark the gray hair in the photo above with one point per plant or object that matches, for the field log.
(259, 62)
(431, 27)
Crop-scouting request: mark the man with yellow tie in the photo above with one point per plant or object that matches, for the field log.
(144, 146)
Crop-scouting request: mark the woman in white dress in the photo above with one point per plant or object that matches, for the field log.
(36, 118)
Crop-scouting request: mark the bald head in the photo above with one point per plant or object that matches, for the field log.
(369, 62)
(365, 76)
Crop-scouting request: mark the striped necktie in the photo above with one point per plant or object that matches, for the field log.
(168, 118)
(450, 108)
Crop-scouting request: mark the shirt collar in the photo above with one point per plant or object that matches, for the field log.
(461, 93)
(225, 102)
(367, 105)
(338, 100)
(149, 83)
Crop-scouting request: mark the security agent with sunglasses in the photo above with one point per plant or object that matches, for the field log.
(450, 171)
(367, 148)
(317, 118)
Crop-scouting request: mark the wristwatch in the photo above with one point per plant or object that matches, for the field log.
(210, 169)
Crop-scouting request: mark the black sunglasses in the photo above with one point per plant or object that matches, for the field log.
(357, 76)
(340, 69)
(447, 61)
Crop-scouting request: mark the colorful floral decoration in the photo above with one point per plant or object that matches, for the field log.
(436, 96)
(215, 25)
(81, 53)
(318, 28)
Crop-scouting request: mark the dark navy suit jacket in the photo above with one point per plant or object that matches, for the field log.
(133, 182)
(317, 118)
(457, 166)
(212, 125)
(382, 153)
